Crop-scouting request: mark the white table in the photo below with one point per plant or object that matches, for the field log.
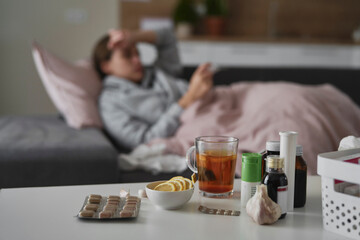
(48, 213)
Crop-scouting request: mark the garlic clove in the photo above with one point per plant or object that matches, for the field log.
(261, 208)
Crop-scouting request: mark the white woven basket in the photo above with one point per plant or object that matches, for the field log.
(341, 212)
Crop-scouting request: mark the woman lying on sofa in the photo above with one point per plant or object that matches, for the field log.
(137, 105)
(156, 107)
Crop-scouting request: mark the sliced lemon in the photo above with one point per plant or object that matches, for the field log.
(178, 185)
(189, 183)
(166, 186)
(193, 178)
(182, 182)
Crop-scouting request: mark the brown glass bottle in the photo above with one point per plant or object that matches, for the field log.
(272, 148)
(300, 179)
(276, 182)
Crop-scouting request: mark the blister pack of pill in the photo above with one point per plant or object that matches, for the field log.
(109, 207)
(216, 211)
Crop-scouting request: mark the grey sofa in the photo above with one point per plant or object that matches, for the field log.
(44, 151)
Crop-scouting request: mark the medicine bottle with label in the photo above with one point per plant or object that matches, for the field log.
(272, 148)
(250, 175)
(300, 179)
(276, 182)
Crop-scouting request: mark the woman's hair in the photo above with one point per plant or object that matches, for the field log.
(101, 54)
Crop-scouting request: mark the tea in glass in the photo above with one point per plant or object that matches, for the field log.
(216, 160)
(216, 170)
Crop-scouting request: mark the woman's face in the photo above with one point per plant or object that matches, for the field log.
(125, 63)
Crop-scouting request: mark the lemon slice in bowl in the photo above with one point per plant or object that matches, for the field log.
(187, 183)
(182, 182)
(178, 185)
(166, 186)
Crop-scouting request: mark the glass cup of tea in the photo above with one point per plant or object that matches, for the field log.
(213, 158)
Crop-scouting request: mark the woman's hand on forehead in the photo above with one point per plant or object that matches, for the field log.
(120, 38)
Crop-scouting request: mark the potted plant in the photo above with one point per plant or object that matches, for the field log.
(215, 17)
(184, 17)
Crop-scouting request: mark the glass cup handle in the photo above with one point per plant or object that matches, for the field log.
(190, 159)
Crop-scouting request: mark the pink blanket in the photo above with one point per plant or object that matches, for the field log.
(256, 112)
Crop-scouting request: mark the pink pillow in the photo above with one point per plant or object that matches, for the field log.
(73, 88)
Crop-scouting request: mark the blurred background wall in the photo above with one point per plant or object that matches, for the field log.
(330, 20)
(68, 28)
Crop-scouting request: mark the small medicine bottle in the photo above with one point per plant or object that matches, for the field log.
(276, 182)
(272, 148)
(300, 179)
(250, 175)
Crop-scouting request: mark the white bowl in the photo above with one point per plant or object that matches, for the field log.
(167, 200)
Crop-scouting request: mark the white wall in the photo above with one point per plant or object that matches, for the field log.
(68, 28)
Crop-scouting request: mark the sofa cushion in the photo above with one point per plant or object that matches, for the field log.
(44, 151)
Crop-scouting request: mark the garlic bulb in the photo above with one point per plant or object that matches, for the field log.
(261, 208)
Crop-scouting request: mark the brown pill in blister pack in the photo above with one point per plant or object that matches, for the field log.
(130, 208)
(131, 203)
(93, 198)
(129, 198)
(113, 202)
(106, 214)
(113, 198)
(87, 213)
(207, 210)
(91, 206)
(109, 207)
(126, 213)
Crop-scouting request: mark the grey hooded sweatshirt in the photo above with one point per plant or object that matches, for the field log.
(137, 113)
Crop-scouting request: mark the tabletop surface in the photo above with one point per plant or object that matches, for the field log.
(49, 213)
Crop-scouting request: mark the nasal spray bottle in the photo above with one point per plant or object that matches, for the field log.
(250, 175)
(288, 152)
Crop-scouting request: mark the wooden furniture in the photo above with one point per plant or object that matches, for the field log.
(305, 20)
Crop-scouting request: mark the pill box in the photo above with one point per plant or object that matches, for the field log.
(109, 207)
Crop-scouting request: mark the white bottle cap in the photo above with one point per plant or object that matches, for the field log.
(273, 146)
(299, 150)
